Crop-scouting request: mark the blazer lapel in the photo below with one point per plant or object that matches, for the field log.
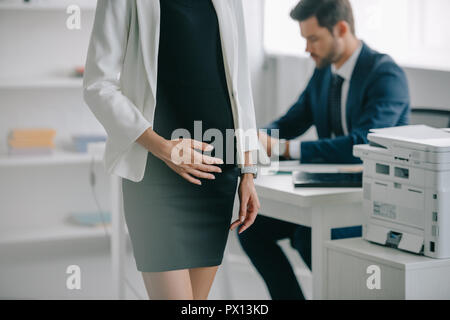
(148, 12)
(227, 26)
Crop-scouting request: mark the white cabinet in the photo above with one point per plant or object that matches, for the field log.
(355, 268)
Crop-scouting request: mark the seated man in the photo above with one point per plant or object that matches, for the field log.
(353, 89)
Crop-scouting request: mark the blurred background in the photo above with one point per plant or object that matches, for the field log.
(56, 198)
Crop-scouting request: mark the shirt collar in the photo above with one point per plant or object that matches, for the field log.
(346, 70)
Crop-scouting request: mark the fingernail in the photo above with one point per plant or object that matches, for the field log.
(213, 177)
(242, 219)
(209, 147)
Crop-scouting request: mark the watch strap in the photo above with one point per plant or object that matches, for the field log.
(250, 169)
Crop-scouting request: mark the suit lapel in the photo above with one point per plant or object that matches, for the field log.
(354, 90)
(323, 129)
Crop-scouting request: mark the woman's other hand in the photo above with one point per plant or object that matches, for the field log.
(249, 203)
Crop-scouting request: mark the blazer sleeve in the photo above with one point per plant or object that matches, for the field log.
(244, 87)
(386, 105)
(123, 122)
(297, 120)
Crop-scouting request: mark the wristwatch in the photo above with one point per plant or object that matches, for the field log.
(280, 147)
(250, 169)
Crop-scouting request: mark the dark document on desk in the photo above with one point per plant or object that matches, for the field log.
(327, 179)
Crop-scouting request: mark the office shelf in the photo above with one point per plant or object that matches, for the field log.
(42, 83)
(63, 231)
(58, 157)
(30, 205)
(46, 5)
(58, 232)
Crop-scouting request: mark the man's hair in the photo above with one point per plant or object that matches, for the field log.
(327, 12)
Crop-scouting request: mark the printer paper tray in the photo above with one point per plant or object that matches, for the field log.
(386, 236)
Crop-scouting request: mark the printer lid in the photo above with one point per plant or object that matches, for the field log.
(417, 137)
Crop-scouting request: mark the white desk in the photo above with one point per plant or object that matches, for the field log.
(322, 209)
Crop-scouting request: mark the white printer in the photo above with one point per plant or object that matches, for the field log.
(406, 188)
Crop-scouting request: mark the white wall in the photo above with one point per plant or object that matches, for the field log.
(287, 76)
(429, 88)
(37, 42)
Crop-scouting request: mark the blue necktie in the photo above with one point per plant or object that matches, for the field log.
(334, 105)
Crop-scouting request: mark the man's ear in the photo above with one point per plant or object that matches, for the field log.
(341, 28)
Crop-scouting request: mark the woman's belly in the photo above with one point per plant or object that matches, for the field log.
(200, 114)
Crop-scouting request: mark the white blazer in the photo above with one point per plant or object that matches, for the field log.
(119, 84)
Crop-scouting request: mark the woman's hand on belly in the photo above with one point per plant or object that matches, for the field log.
(180, 155)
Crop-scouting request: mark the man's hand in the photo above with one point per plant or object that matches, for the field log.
(286, 152)
(269, 143)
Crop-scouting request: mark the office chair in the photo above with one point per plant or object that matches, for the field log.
(431, 117)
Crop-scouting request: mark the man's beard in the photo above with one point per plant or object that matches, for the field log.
(332, 57)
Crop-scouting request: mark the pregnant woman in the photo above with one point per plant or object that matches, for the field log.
(179, 213)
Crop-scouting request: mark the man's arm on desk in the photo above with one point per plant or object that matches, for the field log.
(386, 99)
(385, 104)
(296, 121)
(340, 149)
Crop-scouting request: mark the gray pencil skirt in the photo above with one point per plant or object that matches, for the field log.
(175, 224)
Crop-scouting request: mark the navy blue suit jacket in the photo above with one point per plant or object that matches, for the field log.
(378, 97)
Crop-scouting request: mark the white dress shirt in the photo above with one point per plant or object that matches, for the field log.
(345, 71)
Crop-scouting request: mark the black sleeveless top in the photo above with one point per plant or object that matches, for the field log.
(192, 84)
(173, 223)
